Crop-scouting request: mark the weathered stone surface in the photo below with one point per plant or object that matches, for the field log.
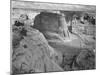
(52, 25)
(85, 60)
(46, 22)
(33, 54)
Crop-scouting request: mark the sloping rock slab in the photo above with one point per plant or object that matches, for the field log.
(35, 55)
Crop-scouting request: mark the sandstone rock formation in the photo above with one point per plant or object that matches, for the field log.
(32, 53)
(85, 60)
(52, 25)
(42, 48)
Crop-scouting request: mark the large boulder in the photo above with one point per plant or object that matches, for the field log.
(46, 22)
(49, 25)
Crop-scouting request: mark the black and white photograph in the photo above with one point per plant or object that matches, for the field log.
(52, 37)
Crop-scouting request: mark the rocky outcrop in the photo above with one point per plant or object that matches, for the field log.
(52, 25)
(85, 60)
(41, 48)
(32, 53)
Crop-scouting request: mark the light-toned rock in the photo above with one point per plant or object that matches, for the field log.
(35, 55)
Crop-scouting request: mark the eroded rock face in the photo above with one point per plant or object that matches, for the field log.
(49, 24)
(32, 53)
(85, 60)
(46, 22)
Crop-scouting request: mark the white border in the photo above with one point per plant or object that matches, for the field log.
(5, 37)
